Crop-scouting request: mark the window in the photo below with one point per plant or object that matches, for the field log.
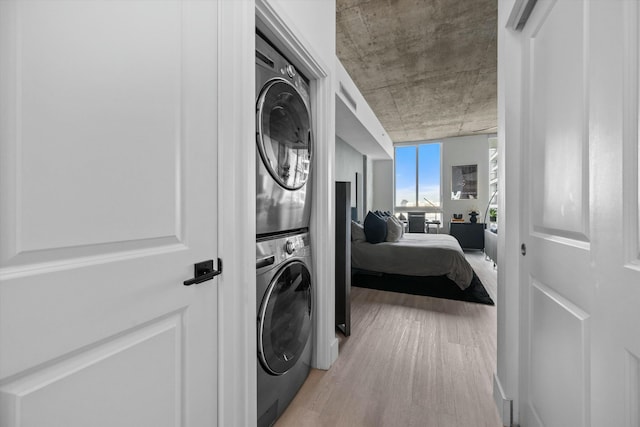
(406, 195)
(417, 179)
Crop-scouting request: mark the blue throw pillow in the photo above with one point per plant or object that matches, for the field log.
(375, 228)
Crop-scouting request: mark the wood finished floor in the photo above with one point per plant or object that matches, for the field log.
(410, 361)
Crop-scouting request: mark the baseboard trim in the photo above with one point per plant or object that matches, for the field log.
(334, 350)
(503, 403)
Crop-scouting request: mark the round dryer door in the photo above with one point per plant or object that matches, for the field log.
(284, 325)
(284, 133)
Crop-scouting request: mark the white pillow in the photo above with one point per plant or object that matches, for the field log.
(394, 230)
(357, 232)
(401, 224)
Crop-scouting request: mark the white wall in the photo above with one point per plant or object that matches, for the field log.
(349, 161)
(370, 190)
(382, 172)
(315, 20)
(465, 150)
(358, 126)
(356, 123)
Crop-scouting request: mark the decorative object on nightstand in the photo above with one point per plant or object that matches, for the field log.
(473, 216)
(457, 218)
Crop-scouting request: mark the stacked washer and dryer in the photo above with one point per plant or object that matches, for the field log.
(283, 254)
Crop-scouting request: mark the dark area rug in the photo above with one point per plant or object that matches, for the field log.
(432, 286)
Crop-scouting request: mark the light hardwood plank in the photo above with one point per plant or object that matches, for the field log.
(410, 361)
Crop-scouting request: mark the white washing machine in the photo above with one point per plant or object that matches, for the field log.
(284, 320)
(283, 144)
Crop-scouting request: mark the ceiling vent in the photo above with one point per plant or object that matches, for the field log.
(520, 14)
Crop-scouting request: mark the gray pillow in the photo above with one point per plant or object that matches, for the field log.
(401, 224)
(394, 229)
(357, 232)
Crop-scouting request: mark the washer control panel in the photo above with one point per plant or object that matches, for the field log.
(271, 252)
(296, 245)
(290, 247)
(290, 70)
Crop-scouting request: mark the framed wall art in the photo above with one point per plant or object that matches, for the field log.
(464, 182)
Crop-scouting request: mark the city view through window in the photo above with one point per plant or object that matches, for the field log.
(417, 179)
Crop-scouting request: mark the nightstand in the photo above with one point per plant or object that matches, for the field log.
(470, 235)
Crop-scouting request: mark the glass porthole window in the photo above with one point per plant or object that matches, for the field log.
(284, 133)
(285, 318)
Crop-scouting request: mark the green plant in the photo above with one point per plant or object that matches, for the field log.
(493, 213)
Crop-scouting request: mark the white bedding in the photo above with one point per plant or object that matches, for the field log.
(415, 254)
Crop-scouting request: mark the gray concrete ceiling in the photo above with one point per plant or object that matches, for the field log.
(427, 68)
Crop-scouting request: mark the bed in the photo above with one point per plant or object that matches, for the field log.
(415, 254)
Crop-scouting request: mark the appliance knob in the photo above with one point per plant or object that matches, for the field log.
(289, 247)
(290, 71)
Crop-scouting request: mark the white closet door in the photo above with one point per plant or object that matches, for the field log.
(108, 181)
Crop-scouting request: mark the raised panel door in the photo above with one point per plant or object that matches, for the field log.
(556, 284)
(108, 182)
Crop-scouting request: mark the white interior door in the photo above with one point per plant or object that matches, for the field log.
(615, 342)
(580, 278)
(108, 183)
(556, 280)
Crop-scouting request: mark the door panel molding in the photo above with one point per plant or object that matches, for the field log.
(76, 258)
(559, 150)
(63, 218)
(44, 391)
(559, 357)
(556, 237)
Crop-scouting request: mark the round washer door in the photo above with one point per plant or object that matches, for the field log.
(284, 325)
(284, 133)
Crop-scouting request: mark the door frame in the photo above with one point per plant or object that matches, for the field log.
(237, 386)
(272, 20)
(507, 382)
(237, 336)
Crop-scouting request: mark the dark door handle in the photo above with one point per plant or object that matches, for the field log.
(204, 271)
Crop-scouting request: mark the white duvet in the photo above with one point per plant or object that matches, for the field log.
(415, 255)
